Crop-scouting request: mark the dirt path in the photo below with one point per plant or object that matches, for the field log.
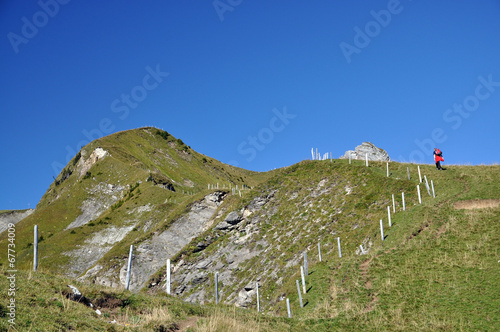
(190, 322)
(368, 284)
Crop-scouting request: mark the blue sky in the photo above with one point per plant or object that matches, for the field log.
(252, 83)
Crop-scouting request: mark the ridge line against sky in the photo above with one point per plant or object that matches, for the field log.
(250, 83)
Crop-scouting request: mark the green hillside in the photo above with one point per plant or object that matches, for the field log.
(437, 267)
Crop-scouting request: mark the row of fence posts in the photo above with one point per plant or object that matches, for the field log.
(236, 187)
(303, 268)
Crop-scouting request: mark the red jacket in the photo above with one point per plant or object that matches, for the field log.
(437, 155)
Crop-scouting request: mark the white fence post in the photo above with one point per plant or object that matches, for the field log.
(303, 279)
(389, 215)
(338, 243)
(419, 175)
(319, 251)
(419, 197)
(258, 299)
(408, 171)
(387, 169)
(306, 271)
(168, 276)
(382, 229)
(35, 248)
(300, 295)
(403, 196)
(349, 158)
(427, 185)
(216, 287)
(129, 267)
(288, 307)
(366, 157)
(393, 204)
(433, 193)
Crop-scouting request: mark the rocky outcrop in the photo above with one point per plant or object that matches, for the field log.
(13, 217)
(150, 255)
(86, 165)
(102, 197)
(366, 148)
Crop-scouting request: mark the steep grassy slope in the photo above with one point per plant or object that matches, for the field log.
(104, 192)
(436, 268)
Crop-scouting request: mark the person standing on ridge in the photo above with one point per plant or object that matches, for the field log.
(438, 157)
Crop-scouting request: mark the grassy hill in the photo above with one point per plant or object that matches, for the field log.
(436, 268)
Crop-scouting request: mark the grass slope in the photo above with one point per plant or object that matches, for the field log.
(436, 269)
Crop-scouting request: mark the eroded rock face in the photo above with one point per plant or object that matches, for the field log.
(366, 148)
(102, 197)
(150, 255)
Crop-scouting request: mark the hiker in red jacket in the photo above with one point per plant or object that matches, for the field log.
(438, 157)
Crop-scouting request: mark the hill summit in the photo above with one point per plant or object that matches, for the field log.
(374, 247)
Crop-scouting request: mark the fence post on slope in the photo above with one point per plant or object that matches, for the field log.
(408, 171)
(300, 295)
(319, 251)
(288, 308)
(419, 175)
(389, 215)
(338, 243)
(382, 229)
(427, 185)
(35, 248)
(349, 158)
(303, 279)
(366, 157)
(433, 193)
(129, 267)
(306, 270)
(216, 287)
(168, 276)
(258, 299)
(393, 204)
(403, 196)
(387, 169)
(419, 197)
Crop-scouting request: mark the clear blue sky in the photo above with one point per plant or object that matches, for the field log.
(252, 83)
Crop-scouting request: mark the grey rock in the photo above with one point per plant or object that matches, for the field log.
(374, 153)
(233, 218)
(13, 217)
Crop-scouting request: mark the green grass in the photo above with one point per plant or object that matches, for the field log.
(437, 268)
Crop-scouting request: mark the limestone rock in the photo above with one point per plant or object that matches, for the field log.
(360, 152)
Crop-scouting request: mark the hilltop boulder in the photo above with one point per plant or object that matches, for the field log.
(367, 148)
